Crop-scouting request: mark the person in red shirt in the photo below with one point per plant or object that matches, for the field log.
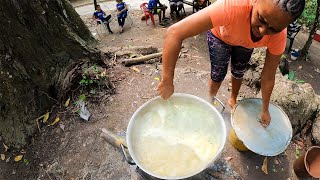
(234, 28)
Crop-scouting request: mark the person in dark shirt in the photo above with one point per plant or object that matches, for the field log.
(155, 9)
(101, 15)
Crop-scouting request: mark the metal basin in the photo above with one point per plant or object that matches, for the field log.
(176, 138)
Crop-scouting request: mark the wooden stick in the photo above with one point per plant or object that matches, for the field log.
(141, 59)
(112, 138)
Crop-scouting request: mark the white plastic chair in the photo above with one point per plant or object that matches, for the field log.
(95, 32)
(128, 15)
(103, 24)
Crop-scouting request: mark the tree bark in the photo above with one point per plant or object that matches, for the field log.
(305, 49)
(42, 42)
(95, 4)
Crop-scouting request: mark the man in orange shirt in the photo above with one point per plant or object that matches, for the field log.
(234, 28)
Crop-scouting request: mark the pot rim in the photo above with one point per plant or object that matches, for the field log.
(219, 151)
(246, 144)
(305, 158)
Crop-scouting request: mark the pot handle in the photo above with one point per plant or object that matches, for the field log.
(220, 102)
(127, 155)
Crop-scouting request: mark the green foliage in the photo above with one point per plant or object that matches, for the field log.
(93, 75)
(309, 13)
(82, 97)
(291, 77)
(26, 161)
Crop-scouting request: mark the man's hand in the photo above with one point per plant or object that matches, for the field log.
(265, 118)
(165, 89)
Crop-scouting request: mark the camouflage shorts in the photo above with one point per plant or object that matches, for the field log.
(220, 54)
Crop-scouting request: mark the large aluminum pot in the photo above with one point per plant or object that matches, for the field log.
(175, 138)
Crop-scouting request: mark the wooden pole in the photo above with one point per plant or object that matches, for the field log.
(141, 59)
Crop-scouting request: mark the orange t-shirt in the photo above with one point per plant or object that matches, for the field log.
(231, 24)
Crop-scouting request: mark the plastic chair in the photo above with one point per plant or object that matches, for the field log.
(103, 24)
(147, 13)
(95, 32)
(128, 14)
(114, 19)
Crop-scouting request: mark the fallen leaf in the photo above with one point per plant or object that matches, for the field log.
(62, 126)
(82, 97)
(276, 161)
(317, 70)
(23, 151)
(157, 78)
(136, 69)
(18, 158)
(26, 161)
(5, 147)
(228, 158)
(55, 121)
(3, 157)
(300, 67)
(297, 152)
(264, 167)
(291, 75)
(67, 103)
(45, 117)
(8, 159)
(299, 81)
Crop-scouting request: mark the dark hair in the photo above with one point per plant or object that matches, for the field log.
(98, 5)
(293, 7)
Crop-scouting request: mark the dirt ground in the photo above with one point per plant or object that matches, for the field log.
(310, 71)
(72, 149)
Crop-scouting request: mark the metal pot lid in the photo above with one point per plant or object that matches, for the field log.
(269, 141)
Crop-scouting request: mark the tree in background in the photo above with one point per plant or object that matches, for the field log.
(42, 44)
(312, 10)
(95, 4)
(308, 15)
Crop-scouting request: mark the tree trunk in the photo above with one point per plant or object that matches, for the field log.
(95, 4)
(41, 44)
(305, 49)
